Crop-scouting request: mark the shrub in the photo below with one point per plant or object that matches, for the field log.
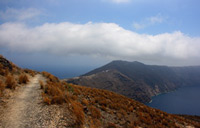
(74, 97)
(103, 108)
(54, 91)
(134, 124)
(23, 79)
(95, 113)
(3, 71)
(41, 84)
(58, 99)
(51, 77)
(95, 123)
(46, 99)
(31, 72)
(10, 82)
(85, 102)
(69, 87)
(2, 87)
(78, 112)
(111, 125)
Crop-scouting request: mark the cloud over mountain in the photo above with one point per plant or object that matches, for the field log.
(97, 39)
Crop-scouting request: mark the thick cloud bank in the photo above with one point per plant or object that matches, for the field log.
(98, 39)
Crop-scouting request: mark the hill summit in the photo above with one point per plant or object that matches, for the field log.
(137, 80)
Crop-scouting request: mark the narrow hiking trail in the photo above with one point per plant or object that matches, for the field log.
(26, 110)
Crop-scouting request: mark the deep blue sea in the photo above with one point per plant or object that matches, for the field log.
(185, 100)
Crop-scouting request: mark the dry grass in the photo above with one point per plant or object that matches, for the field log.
(30, 72)
(10, 82)
(23, 79)
(3, 70)
(77, 109)
(2, 87)
(51, 77)
(9, 73)
(46, 99)
(55, 92)
(90, 105)
(41, 84)
(95, 113)
(111, 125)
(85, 102)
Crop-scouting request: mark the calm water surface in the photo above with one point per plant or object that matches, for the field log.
(185, 100)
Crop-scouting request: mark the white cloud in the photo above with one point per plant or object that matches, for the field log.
(19, 14)
(158, 19)
(118, 1)
(98, 39)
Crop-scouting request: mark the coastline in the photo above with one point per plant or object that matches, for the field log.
(160, 94)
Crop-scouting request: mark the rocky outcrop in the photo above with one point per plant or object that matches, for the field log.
(5, 63)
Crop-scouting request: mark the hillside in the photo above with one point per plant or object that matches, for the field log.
(90, 107)
(46, 101)
(11, 76)
(137, 80)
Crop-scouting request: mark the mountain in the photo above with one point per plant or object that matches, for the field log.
(137, 80)
(43, 100)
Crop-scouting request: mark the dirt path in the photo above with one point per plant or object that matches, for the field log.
(23, 106)
(25, 109)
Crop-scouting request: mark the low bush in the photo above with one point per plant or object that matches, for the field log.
(111, 125)
(46, 99)
(85, 102)
(10, 82)
(69, 87)
(77, 109)
(95, 113)
(55, 92)
(2, 87)
(31, 72)
(51, 77)
(23, 79)
(41, 84)
(3, 71)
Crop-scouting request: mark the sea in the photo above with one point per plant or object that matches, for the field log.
(63, 72)
(185, 100)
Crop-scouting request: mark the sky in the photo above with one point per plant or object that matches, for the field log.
(72, 37)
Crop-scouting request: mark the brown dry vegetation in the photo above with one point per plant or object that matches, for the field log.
(30, 72)
(2, 87)
(77, 110)
(11, 75)
(50, 77)
(10, 82)
(101, 108)
(3, 70)
(53, 91)
(23, 79)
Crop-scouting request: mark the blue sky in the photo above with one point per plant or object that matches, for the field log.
(173, 15)
(75, 34)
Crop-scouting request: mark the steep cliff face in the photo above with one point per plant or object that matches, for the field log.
(137, 80)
